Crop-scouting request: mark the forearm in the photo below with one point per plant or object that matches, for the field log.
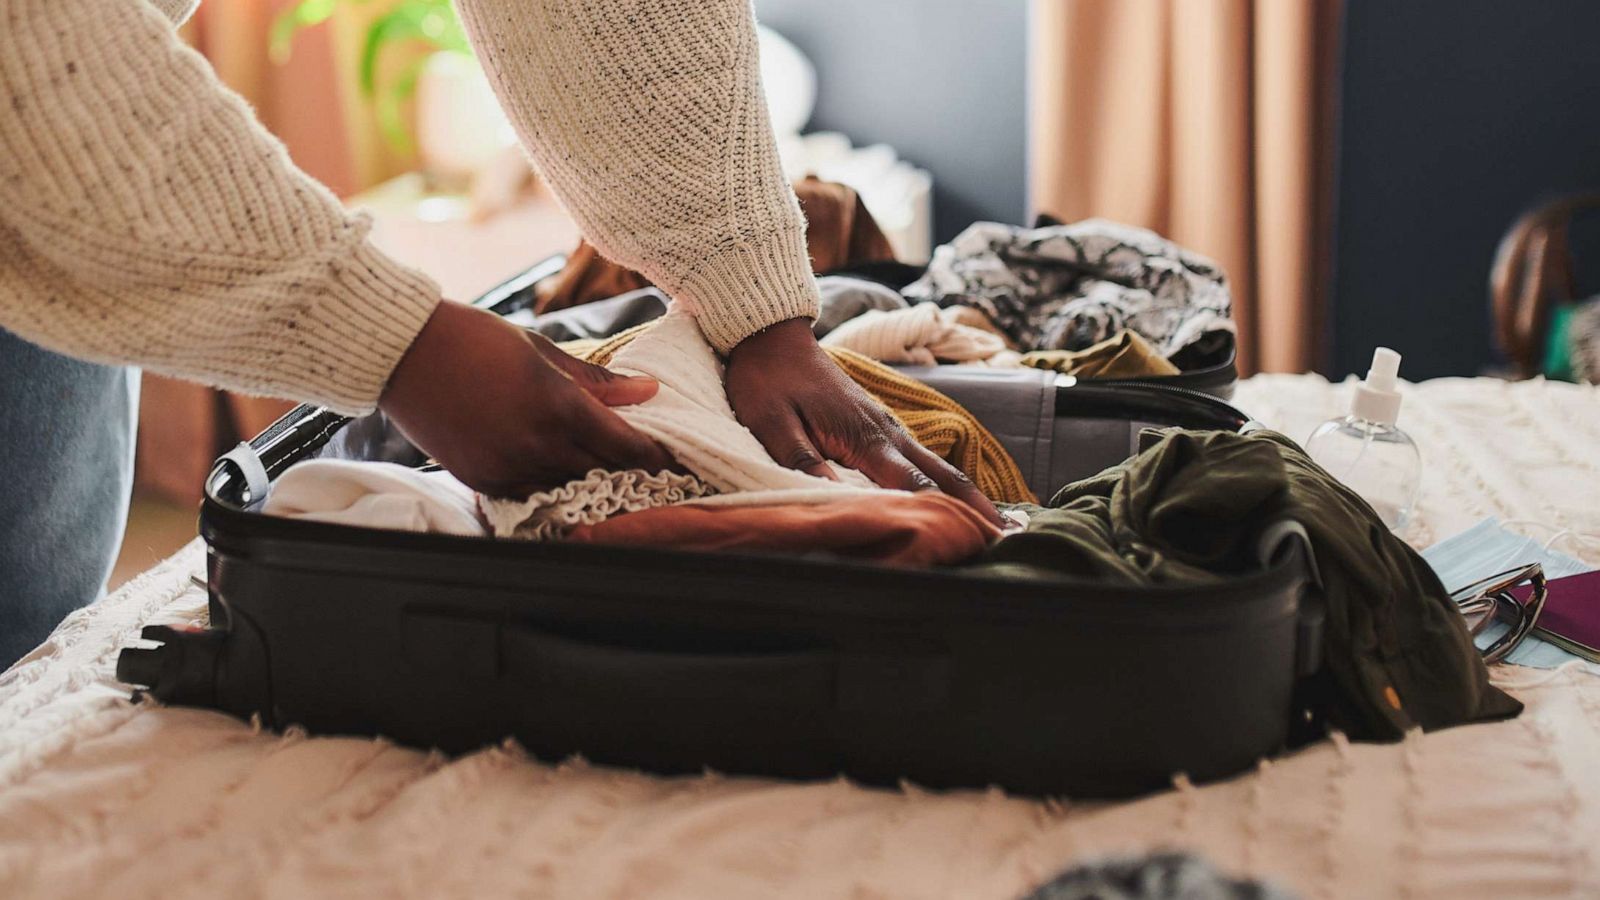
(147, 218)
(646, 118)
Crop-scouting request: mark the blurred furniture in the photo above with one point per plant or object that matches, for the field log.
(184, 426)
(1455, 116)
(940, 81)
(897, 194)
(840, 232)
(1533, 277)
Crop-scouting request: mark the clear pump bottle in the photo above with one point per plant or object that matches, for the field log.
(1367, 452)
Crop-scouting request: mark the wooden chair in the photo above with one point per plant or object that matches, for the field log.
(1532, 277)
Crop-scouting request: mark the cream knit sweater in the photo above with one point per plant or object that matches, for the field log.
(647, 119)
(147, 218)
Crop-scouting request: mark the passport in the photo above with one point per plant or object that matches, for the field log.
(1571, 617)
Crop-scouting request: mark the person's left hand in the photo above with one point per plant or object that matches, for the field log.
(805, 410)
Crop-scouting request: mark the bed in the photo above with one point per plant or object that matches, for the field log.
(103, 797)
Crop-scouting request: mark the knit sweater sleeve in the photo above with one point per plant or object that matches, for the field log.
(147, 218)
(178, 11)
(646, 118)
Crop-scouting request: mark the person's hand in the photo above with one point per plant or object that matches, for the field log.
(805, 410)
(509, 413)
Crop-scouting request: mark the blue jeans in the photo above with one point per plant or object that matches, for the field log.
(66, 460)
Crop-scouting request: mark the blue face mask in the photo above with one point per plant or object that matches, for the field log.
(1487, 548)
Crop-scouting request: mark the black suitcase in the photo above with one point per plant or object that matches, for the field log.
(785, 666)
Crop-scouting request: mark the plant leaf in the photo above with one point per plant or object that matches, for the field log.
(404, 21)
(286, 24)
(390, 103)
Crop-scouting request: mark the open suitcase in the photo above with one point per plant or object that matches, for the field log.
(1209, 366)
(785, 666)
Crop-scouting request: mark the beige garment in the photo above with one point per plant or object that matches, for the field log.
(146, 217)
(934, 420)
(375, 495)
(385, 495)
(973, 317)
(590, 500)
(920, 335)
(646, 118)
(1209, 121)
(691, 417)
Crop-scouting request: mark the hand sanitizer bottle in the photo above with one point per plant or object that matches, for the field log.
(1367, 452)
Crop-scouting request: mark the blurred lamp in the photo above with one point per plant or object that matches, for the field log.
(789, 81)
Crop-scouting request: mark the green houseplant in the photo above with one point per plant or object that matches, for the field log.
(430, 23)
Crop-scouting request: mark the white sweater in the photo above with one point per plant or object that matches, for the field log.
(147, 218)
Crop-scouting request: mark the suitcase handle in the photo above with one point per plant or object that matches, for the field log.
(650, 680)
(889, 674)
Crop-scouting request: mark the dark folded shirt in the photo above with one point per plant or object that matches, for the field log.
(1189, 509)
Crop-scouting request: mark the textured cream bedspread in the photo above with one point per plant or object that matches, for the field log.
(99, 797)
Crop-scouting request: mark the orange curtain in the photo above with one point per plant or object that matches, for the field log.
(1209, 121)
(311, 102)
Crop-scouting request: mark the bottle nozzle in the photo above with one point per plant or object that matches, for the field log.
(1385, 367)
(1376, 398)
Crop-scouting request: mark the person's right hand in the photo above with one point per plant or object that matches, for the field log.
(508, 412)
(805, 410)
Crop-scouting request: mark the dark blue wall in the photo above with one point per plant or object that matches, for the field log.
(941, 81)
(1457, 116)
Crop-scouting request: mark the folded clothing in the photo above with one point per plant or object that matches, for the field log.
(1190, 507)
(942, 425)
(972, 317)
(375, 495)
(842, 298)
(690, 416)
(923, 529)
(921, 335)
(934, 420)
(1126, 355)
(1068, 287)
(635, 508)
(594, 498)
(926, 335)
